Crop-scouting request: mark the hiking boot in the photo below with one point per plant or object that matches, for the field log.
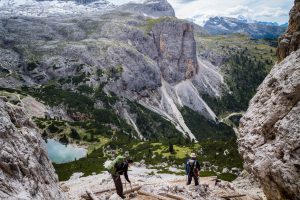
(122, 196)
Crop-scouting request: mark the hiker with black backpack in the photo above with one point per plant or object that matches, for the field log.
(119, 167)
(192, 168)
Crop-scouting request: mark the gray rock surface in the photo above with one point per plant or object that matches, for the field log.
(290, 40)
(150, 60)
(154, 8)
(270, 131)
(176, 49)
(135, 55)
(25, 170)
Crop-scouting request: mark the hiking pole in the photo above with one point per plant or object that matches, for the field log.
(125, 185)
(186, 179)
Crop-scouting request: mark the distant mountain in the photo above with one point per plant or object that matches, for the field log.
(285, 25)
(44, 8)
(228, 25)
(155, 8)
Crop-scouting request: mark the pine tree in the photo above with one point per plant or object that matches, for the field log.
(171, 149)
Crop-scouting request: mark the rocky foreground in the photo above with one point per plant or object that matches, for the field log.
(25, 170)
(150, 185)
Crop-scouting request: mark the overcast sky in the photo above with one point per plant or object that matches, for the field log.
(261, 10)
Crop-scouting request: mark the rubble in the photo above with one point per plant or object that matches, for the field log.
(148, 185)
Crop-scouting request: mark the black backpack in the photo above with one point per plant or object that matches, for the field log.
(191, 166)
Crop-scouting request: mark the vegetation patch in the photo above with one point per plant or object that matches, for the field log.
(32, 65)
(204, 129)
(244, 62)
(157, 154)
(154, 127)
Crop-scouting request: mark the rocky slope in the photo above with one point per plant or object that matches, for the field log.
(269, 131)
(151, 61)
(226, 25)
(33, 8)
(152, 8)
(25, 170)
(121, 54)
(157, 185)
(290, 40)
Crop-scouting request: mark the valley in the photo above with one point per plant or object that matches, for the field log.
(84, 81)
(86, 109)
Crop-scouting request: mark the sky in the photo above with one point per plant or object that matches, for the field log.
(201, 10)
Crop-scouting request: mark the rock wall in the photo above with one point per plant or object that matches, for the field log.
(270, 131)
(25, 170)
(176, 50)
(290, 41)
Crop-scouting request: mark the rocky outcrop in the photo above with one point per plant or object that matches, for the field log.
(25, 170)
(270, 130)
(176, 50)
(153, 8)
(290, 41)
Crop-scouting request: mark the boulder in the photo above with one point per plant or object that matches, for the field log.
(115, 197)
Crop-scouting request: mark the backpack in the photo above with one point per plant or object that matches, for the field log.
(111, 168)
(191, 167)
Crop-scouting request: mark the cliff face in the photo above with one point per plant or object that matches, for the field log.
(290, 41)
(176, 51)
(270, 130)
(25, 171)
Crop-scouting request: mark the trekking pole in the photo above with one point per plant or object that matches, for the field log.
(131, 187)
(125, 185)
(186, 179)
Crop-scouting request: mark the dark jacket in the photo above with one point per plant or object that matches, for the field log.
(191, 165)
(122, 169)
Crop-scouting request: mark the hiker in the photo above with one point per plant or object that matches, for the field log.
(117, 168)
(192, 169)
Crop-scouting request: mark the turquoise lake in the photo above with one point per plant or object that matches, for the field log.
(60, 153)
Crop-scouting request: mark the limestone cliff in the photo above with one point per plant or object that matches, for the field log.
(25, 170)
(177, 51)
(290, 41)
(270, 130)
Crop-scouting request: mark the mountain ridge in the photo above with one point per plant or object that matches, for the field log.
(255, 29)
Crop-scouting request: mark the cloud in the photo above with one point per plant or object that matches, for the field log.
(260, 10)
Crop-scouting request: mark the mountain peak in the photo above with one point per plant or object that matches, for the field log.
(153, 8)
(229, 25)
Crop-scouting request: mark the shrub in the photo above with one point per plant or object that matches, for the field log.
(74, 134)
(52, 128)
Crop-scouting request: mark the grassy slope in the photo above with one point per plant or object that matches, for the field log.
(244, 64)
(204, 129)
(156, 154)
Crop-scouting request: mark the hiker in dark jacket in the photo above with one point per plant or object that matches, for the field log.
(121, 169)
(192, 169)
